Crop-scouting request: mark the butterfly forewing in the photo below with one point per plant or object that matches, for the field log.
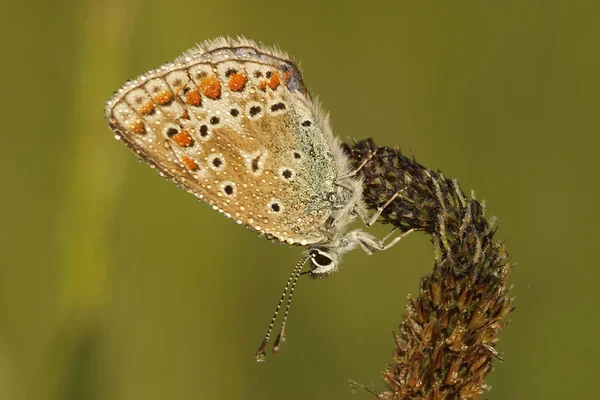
(235, 127)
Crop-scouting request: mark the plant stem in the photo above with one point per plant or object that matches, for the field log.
(446, 342)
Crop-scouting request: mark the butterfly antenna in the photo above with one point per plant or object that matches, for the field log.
(261, 354)
(281, 335)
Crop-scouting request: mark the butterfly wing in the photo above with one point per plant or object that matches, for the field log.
(233, 124)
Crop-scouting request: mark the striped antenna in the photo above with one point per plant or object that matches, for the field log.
(281, 335)
(261, 354)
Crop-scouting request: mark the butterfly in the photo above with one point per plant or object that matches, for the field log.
(231, 122)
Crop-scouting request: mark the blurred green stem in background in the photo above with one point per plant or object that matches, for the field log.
(93, 177)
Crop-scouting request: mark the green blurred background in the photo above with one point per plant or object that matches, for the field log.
(114, 284)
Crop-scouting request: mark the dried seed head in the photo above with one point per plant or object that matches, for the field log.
(446, 341)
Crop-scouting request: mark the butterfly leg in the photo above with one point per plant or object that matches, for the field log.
(368, 242)
(371, 244)
(357, 170)
(345, 186)
(369, 220)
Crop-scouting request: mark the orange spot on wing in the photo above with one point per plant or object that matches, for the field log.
(183, 139)
(189, 163)
(138, 127)
(262, 85)
(185, 115)
(193, 97)
(274, 80)
(237, 81)
(164, 97)
(147, 109)
(211, 87)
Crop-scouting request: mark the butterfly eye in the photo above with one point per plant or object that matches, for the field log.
(320, 258)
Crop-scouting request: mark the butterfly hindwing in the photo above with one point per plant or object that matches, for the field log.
(235, 126)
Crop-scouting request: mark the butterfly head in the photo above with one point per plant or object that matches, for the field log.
(323, 261)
